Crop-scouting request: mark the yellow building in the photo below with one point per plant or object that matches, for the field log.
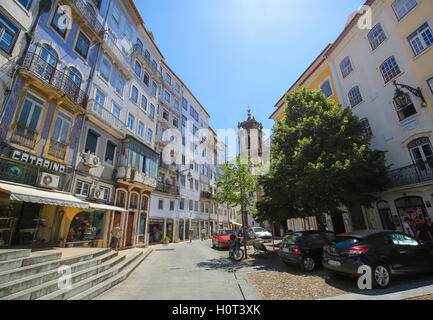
(413, 24)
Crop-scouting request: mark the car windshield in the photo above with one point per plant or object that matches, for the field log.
(291, 238)
(259, 230)
(226, 232)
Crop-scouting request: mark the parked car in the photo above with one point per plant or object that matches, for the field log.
(260, 233)
(387, 253)
(221, 238)
(305, 248)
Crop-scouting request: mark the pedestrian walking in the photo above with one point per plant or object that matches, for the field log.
(203, 234)
(422, 231)
(429, 225)
(407, 227)
(115, 236)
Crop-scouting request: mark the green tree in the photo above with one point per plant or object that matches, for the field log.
(237, 187)
(320, 160)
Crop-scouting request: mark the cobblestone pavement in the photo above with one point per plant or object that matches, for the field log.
(427, 297)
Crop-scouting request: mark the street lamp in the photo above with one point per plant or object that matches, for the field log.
(402, 99)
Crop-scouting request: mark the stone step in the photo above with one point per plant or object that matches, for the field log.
(35, 258)
(19, 285)
(87, 282)
(131, 264)
(27, 271)
(11, 254)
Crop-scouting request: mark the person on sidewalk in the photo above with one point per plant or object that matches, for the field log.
(429, 225)
(407, 228)
(203, 234)
(422, 232)
(115, 236)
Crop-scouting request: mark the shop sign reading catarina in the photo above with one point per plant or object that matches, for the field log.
(36, 161)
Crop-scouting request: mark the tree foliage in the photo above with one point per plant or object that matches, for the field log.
(236, 184)
(320, 160)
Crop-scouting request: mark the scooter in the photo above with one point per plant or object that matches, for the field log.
(236, 253)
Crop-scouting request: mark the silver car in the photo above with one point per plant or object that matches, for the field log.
(260, 233)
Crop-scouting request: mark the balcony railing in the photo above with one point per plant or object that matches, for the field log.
(167, 188)
(54, 78)
(106, 116)
(117, 54)
(57, 149)
(206, 195)
(24, 136)
(84, 11)
(413, 174)
(138, 50)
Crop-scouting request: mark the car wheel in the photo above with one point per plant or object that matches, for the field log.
(308, 264)
(381, 276)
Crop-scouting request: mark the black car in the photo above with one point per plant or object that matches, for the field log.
(305, 248)
(387, 253)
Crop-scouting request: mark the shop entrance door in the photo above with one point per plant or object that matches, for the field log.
(386, 216)
(27, 225)
(170, 230)
(357, 218)
(129, 229)
(338, 223)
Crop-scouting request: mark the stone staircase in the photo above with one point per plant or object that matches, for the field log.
(26, 275)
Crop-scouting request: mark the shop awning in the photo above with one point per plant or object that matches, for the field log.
(28, 194)
(235, 223)
(101, 206)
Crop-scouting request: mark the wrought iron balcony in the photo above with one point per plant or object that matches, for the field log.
(117, 54)
(206, 195)
(139, 51)
(57, 149)
(89, 17)
(167, 188)
(55, 79)
(413, 174)
(106, 116)
(24, 136)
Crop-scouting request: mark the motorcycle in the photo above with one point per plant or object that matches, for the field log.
(236, 253)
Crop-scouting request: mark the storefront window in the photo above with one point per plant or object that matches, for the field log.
(181, 228)
(411, 208)
(142, 225)
(87, 226)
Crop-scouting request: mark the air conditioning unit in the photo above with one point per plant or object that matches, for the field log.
(48, 180)
(96, 194)
(90, 160)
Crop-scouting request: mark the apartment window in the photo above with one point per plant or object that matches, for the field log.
(147, 56)
(82, 45)
(196, 117)
(91, 142)
(138, 69)
(201, 207)
(60, 21)
(99, 101)
(134, 94)
(182, 180)
(152, 111)
(31, 113)
(167, 96)
(175, 122)
(183, 121)
(154, 87)
(196, 185)
(355, 96)
(82, 188)
(367, 132)
(403, 7)
(149, 135)
(406, 111)
(191, 184)
(105, 69)
(177, 87)
(194, 129)
(26, 3)
(154, 66)
(196, 206)
(106, 193)
(182, 204)
(346, 67)
(61, 128)
(183, 159)
(8, 34)
(327, 89)
(146, 78)
(421, 39)
(171, 205)
(376, 36)
(120, 85)
(390, 69)
(160, 204)
(184, 104)
(116, 14)
(143, 102)
(165, 115)
(168, 78)
(131, 120)
(116, 111)
(140, 130)
(109, 152)
(176, 104)
(422, 153)
(191, 205)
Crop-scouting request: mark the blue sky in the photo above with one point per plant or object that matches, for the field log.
(238, 53)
